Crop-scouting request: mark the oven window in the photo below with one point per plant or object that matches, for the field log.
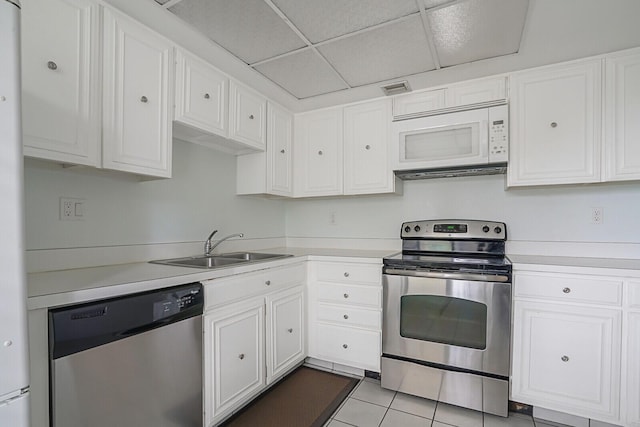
(445, 320)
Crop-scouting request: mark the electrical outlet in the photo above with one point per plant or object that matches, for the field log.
(597, 215)
(332, 218)
(71, 209)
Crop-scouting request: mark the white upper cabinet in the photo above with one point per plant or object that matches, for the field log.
(460, 96)
(247, 116)
(201, 95)
(622, 117)
(367, 131)
(60, 80)
(269, 172)
(137, 98)
(318, 153)
(556, 124)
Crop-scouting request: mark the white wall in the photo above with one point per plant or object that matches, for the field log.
(544, 214)
(121, 209)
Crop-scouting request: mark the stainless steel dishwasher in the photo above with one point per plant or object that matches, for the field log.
(135, 360)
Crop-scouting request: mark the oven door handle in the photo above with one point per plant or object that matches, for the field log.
(452, 276)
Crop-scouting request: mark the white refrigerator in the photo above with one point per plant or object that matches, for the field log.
(14, 371)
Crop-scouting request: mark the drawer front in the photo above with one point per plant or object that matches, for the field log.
(633, 294)
(350, 294)
(347, 315)
(224, 290)
(349, 273)
(353, 347)
(569, 288)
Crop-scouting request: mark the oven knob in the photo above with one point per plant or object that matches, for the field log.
(498, 230)
(417, 228)
(407, 229)
(485, 228)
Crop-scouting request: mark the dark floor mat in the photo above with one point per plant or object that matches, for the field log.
(305, 398)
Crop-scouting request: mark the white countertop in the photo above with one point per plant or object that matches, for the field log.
(61, 287)
(586, 265)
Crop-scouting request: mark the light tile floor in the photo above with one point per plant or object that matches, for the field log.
(369, 405)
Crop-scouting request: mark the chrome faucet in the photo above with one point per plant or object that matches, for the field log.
(208, 247)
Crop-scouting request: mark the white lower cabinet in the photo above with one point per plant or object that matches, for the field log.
(254, 333)
(345, 313)
(567, 344)
(631, 358)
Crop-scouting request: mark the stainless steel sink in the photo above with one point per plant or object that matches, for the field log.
(219, 261)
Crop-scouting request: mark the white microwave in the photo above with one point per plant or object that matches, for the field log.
(452, 140)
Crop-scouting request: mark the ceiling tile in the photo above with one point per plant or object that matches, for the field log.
(387, 52)
(428, 4)
(302, 74)
(477, 29)
(323, 20)
(249, 29)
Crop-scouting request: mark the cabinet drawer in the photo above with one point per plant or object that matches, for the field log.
(570, 288)
(633, 293)
(224, 290)
(350, 294)
(353, 347)
(349, 316)
(349, 273)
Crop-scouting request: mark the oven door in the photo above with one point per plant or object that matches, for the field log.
(455, 320)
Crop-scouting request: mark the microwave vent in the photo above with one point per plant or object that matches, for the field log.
(472, 170)
(396, 88)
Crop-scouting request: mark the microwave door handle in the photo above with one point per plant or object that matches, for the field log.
(450, 276)
(484, 139)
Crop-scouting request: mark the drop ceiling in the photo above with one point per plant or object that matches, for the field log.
(312, 47)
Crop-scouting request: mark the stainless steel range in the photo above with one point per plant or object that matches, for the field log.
(447, 314)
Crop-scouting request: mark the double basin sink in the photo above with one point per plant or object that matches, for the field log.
(222, 260)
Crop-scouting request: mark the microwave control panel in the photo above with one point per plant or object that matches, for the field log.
(498, 134)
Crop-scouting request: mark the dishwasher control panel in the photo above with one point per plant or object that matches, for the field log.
(179, 301)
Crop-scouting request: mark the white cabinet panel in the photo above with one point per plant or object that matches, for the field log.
(318, 153)
(567, 358)
(622, 117)
(633, 368)
(477, 92)
(247, 116)
(60, 80)
(367, 133)
(556, 125)
(201, 94)
(350, 294)
(138, 97)
(416, 103)
(569, 288)
(285, 331)
(279, 151)
(234, 357)
(349, 346)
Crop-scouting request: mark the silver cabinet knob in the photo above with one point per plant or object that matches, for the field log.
(268, 282)
(346, 274)
(346, 295)
(144, 99)
(320, 153)
(241, 356)
(290, 330)
(251, 116)
(553, 124)
(367, 147)
(346, 316)
(345, 346)
(52, 65)
(566, 290)
(282, 151)
(565, 358)
(7, 343)
(207, 96)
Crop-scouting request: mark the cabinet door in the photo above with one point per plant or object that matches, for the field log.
(418, 103)
(633, 368)
(567, 358)
(477, 92)
(622, 117)
(279, 147)
(60, 87)
(318, 153)
(285, 331)
(367, 132)
(555, 124)
(138, 97)
(247, 116)
(234, 357)
(201, 95)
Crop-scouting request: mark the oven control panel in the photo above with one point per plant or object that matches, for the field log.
(454, 229)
